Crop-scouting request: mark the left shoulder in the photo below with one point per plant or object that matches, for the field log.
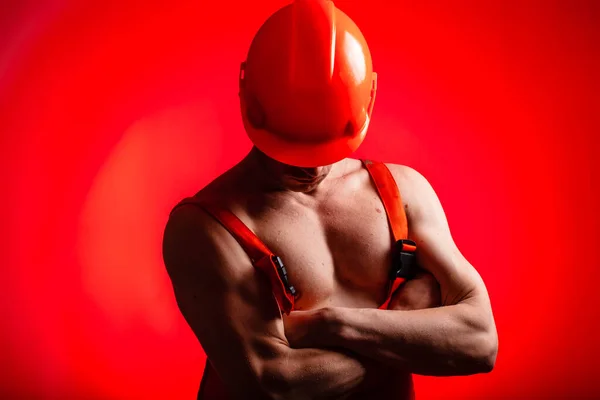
(418, 196)
(405, 175)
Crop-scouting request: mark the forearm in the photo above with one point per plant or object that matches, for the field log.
(450, 340)
(313, 374)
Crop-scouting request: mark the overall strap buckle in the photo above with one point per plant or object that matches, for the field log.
(404, 260)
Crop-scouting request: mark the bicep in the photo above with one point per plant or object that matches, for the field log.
(438, 254)
(437, 251)
(226, 302)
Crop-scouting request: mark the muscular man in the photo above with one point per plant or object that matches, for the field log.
(281, 266)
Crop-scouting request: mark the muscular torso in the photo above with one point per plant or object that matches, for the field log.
(336, 249)
(336, 245)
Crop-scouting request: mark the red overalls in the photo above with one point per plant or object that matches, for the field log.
(272, 266)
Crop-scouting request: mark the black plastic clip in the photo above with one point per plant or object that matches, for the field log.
(404, 260)
(283, 274)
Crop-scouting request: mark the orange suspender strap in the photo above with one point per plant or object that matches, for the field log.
(260, 256)
(390, 197)
(403, 249)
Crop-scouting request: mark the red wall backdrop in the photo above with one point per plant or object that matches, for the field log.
(110, 112)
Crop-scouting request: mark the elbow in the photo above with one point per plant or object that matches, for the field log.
(488, 359)
(477, 348)
(481, 348)
(478, 357)
(490, 347)
(483, 354)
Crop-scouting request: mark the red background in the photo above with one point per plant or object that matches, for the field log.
(110, 112)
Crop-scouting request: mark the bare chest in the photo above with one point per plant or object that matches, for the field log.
(336, 253)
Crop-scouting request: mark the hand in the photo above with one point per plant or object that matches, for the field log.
(305, 328)
(423, 291)
(309, 329)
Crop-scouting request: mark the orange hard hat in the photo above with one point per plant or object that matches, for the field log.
(307, 87)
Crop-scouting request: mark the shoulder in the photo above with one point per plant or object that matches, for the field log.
(188, 220)
(411, 183)
(419, 197)
(189, 230)
(194, 243)
(407, 176)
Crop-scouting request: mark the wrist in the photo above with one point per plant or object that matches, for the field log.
(331, 323)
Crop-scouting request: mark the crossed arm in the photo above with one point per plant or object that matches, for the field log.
(457, 338)
(231, 309)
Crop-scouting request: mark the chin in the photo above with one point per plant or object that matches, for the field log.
(301, 187)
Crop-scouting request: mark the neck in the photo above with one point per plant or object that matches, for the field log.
(271, 175)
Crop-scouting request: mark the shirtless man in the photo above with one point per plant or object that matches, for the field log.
(331, 226)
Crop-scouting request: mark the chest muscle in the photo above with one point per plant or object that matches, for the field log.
(337, 253)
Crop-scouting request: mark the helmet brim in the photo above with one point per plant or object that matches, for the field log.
(303, 154)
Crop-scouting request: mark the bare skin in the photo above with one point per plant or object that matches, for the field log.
(329, 226)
